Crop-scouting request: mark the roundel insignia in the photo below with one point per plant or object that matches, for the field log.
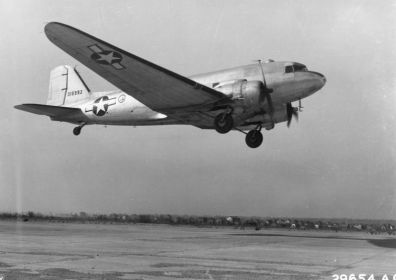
(106, 57)
(121, 98)
(100, 106)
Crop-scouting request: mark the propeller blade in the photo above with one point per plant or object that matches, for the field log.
(291, 112)
(267, 93)
(266, 96)
(295, 113)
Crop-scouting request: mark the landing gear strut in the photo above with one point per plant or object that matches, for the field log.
(223, 123)
(77, 129)
(254, 138)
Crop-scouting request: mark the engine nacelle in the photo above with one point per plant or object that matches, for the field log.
(246, 94)
(279, 115)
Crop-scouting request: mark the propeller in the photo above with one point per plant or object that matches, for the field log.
(291, 112)
(266, 92)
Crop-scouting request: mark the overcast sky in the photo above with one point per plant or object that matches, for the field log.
(339, 160)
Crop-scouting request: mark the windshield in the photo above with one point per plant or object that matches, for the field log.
(299, 67)
(289, 69)
(295, 67)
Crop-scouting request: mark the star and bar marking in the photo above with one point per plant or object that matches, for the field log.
(101, 105)
(106, 57)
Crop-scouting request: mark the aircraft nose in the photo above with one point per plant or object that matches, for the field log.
(320, 80)
(316, 81)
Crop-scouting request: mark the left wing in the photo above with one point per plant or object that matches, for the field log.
(158, 88)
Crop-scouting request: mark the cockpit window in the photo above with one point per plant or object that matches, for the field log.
(289, 69)
(299, 67)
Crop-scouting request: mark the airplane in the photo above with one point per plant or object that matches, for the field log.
(246, 98)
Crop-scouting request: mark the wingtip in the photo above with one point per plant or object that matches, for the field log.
(21, 107)
(52, 23)
(50, 28)
(53, 29)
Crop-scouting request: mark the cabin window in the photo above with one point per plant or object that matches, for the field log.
(289, 69)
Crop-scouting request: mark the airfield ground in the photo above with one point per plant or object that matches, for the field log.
(97, 251)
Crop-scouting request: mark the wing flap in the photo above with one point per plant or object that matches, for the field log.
(158, 88)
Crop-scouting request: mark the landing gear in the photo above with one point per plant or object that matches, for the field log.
(270, 127)
(77, 129)
(254, 138)
(223, 123)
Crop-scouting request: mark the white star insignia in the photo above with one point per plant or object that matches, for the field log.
(100, 106)
(109, 58)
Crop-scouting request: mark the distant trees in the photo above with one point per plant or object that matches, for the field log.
(257, 223)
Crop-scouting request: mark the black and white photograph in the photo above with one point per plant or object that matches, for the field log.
(197, 139)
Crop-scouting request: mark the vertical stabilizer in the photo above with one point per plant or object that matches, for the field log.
(66, 87)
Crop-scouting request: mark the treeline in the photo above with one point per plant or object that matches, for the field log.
(371, 226)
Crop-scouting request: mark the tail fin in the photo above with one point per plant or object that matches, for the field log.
(66, 87)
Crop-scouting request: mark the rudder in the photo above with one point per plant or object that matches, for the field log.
(66, 87)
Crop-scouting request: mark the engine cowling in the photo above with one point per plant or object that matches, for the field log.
(279, 115)
(246, 93)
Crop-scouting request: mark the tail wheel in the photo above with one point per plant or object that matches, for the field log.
(254, 138)
(223, 123)
(77, 130)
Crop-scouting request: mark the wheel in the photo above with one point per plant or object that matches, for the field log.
(223, 123)
(77, 130)
(270, 127)
(254, 138)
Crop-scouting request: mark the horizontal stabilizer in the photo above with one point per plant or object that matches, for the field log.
(57, 112)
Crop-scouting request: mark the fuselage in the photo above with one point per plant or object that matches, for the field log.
(289, 82)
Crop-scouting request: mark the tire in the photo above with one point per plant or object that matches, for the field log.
(254, 138)
(77, 130)
(223, 123)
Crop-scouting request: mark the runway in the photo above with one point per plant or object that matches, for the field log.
(35, 250)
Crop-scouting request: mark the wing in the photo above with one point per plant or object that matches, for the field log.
(158, 88)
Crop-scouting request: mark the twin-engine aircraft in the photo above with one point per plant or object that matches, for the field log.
(246, 98)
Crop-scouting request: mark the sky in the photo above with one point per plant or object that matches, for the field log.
(338, 160)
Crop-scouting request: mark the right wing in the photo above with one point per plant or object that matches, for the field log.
(158, 88)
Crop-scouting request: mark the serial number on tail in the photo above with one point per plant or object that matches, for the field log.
(74, 92)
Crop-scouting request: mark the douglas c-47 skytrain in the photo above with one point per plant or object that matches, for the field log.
(245, 98)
